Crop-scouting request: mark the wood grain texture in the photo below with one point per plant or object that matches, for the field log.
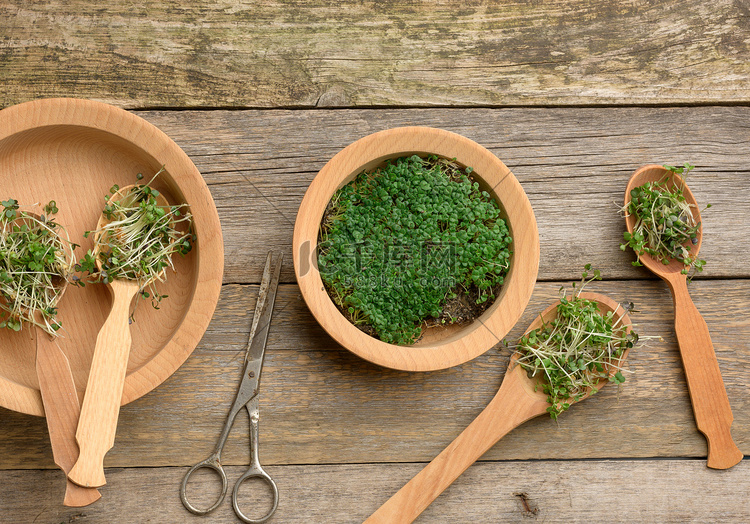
(320, 404)
(446, 349)
(339, 434)
(312, 53)
(573, 164)
(515, 403)
(668, 491)
(61, 411)
(711, 407)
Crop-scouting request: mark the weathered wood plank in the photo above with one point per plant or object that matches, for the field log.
(321, 405)
(574, 165)
(272, 54)
(668, 491)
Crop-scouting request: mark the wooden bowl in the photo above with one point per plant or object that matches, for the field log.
(440, 347)
(73, 151)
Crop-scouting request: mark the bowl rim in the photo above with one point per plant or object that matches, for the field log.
(98, 116)
(472, 340)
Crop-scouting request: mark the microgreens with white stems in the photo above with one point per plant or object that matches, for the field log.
(138, 240)
(576, 350)
(36, 258)
(665, 226)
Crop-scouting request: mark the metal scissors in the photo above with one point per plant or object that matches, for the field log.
(247, 396)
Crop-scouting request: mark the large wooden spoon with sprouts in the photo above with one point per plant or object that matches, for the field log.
(519, 399)
(713, 414)
(101, 404)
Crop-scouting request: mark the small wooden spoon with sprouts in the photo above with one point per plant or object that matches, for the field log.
(519, 399)
(713, 414)
(101, 404)
(56, 383)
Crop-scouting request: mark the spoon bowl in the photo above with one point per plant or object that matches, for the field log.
(59, 283)
(713, 413)
(103, 221)
(517, 401)
(671, 181)
(606, 305)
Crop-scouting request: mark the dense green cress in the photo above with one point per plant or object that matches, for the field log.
(399, 242)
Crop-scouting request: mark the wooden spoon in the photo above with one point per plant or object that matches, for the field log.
(101, 404)
(61, 406)
(713, 414)
(516, 402)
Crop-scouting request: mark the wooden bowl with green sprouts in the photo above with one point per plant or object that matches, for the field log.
(422, 183)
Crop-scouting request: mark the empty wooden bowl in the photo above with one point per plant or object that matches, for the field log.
(72, 151)
(440, 347)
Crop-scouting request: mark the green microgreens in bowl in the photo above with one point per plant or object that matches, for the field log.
(138, 240)
(665, 227)
(398, 243)
(36, 258)
(575, 351)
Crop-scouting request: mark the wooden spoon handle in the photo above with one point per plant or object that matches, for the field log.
(511, 407)
(61, 409)
(101, 403)
(713, 414)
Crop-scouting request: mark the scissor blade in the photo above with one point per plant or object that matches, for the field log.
(260, 302)
(257, 344)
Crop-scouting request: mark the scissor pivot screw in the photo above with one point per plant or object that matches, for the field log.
(251, 374)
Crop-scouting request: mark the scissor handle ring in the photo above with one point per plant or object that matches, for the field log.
(211, 462)
(260, 474)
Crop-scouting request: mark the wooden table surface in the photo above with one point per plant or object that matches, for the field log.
(572, 95)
